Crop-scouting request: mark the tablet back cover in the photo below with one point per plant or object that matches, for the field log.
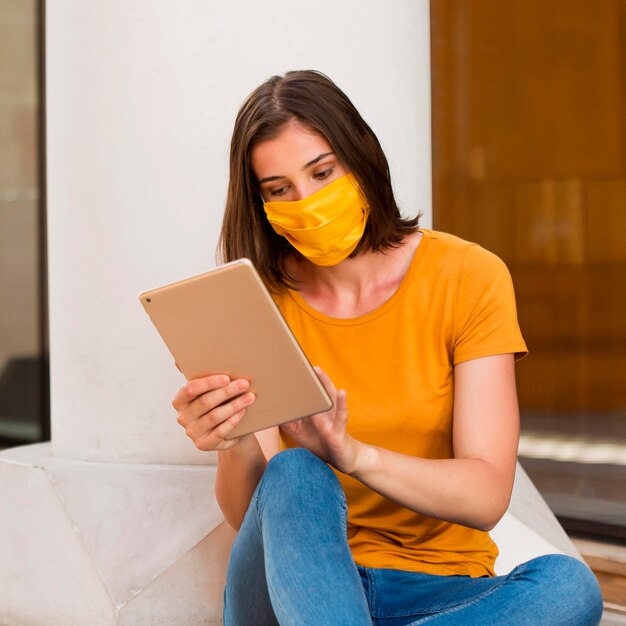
(225, 322)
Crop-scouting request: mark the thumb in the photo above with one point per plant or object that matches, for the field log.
(292, 427)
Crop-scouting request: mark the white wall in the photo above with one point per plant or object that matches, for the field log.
(141, 98)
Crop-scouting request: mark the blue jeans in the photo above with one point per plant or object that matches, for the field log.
(291, 564)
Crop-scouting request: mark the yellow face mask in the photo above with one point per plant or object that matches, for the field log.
(326, 226)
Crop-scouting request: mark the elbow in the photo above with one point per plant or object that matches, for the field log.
(495, 503)
(492, 513)
(235, 524)
(488, 525)
(494, 516)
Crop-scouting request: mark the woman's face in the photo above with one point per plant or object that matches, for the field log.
(295, 164)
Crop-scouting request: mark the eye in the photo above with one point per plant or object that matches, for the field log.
(279, 191)
(324, 173)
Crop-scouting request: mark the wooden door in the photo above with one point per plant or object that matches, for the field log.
(529, 159)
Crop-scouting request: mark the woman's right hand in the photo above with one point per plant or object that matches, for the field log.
(209, 408)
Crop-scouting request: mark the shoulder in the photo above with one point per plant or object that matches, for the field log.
(462, 257)
(484, 315)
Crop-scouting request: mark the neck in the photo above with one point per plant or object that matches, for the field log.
(358, 284)
(353, 275)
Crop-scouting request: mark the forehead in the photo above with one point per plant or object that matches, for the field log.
(293, 148)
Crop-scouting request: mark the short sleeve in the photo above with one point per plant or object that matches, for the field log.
(486, 315)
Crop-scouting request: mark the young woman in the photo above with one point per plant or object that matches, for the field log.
(377, 511)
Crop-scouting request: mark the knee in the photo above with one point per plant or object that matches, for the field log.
(297, 468)
(573, 586)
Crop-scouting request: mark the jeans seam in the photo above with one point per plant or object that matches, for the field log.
(449, 608)
(257, 515)
(344, 514)
(479, 598)
(280, 606)
(372, 585)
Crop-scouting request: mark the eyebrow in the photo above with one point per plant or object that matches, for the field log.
(311, 163)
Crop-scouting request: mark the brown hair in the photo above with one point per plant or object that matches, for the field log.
(314, 100)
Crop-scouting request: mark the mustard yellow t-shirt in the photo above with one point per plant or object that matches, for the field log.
(455, 303)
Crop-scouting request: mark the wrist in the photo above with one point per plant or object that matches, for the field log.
(244, 445)
(365, 461)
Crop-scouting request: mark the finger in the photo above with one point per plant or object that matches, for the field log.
(226, 411)
(199, 386)
(209, 402)
(196, 387)
(341, 409)
(212, 399)
(335, 420)
(327, 382)
(215, 439)
(213, 419)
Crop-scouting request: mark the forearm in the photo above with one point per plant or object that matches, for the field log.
(466, 491)
(239, 470)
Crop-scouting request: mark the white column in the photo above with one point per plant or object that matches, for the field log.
(115, 522)
(142, 97)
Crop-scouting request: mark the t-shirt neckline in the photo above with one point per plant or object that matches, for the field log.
(384, 307)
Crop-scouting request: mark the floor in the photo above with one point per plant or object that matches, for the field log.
(613, 619)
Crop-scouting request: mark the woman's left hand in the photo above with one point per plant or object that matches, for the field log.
(325, 434)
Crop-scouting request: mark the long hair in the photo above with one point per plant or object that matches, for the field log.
(312, 99)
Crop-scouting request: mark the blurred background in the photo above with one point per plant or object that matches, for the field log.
(24, 402)
(529, 160)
